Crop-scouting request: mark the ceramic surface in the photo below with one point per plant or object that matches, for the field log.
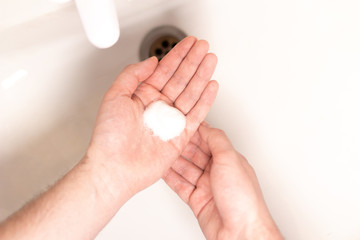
(289, 100)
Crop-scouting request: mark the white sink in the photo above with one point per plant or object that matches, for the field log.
(289, 100)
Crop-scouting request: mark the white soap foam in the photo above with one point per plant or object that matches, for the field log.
(165, 121)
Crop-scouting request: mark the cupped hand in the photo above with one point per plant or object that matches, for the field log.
(181, 79)
(221, 188)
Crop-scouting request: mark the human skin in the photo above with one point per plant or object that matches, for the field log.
(221, 188)
(124, 156)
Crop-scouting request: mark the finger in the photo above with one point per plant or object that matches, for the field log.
(198, 113)
(194, 154)
(186, 70)
(219, 144)
(188, 170)
(148, 94)
(180, 185)
(170, 63)
(129, 78)
(202, 193)
(199, 142)
(206, 124)
(188, 98)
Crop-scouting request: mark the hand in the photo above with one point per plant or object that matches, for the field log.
(123, 156)
(221, 188)
(120, 139)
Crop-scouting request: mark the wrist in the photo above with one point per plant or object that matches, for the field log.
(109, 180)
(263, 227)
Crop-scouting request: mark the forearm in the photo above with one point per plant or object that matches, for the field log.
(77, 207)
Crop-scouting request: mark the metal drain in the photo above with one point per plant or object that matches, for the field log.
(159, 41)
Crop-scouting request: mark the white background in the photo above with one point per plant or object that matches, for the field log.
(289, 74)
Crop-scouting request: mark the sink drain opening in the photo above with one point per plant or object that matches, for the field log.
(159, 41)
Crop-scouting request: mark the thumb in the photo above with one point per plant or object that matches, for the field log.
(218, 143)
(128, 80)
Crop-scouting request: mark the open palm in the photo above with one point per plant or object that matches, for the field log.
(221, 188)
(192, 178)
(181, 79)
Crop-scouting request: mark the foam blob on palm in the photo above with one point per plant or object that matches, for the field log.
(165, 121)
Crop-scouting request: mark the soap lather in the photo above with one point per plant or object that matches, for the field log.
(165, 121)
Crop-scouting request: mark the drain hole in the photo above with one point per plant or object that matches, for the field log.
(165, 44)
(159, 41)
(158, 52)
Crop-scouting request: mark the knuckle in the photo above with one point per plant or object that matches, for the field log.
(181, 106)
(131, 70)
(164, 68)
(180, 81)
(178, 54)
(218, 132)
(243, 157)
(246, 163)
(129, 67)
(226, 154)
(199, 74)
(191, 62)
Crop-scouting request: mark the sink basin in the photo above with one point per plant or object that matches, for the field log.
(289, 88)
